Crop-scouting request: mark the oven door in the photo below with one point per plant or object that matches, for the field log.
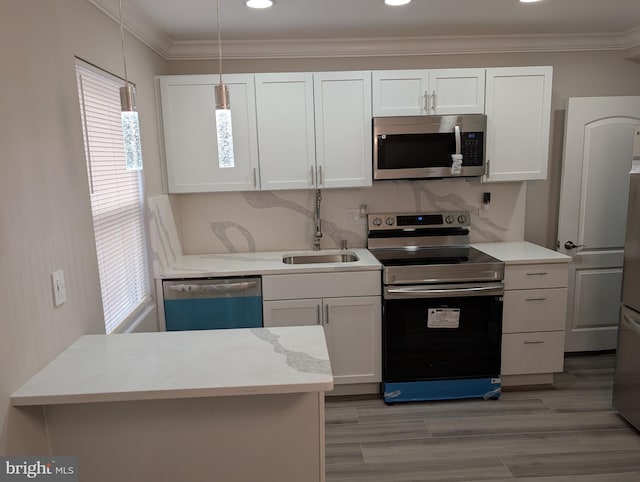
(436, 332)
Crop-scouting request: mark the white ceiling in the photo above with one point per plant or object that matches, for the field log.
(189, 25)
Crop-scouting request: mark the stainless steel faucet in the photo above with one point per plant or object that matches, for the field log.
(318, 234)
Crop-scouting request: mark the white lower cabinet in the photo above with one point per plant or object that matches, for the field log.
(348, 305)
(533, 323)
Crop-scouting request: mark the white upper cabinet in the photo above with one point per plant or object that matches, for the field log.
(286, 132)
(314, 130)
(191, 150)
(518, 108)
(428, 92)
(343, 129)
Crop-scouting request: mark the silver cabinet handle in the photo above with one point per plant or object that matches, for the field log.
(318, 315)
(488, 169)
(313, 182)
(542, 298)
(426, 101)
(532, 342)
(326, 314)
(537, 273)
(433, 103)
(320, 176)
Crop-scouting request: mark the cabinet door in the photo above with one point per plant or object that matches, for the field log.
(191, 148)
(286, 136)
(456, 91)
(292, 312)
(353, 332)
(343, 128)
(400, 92)
(518, 108)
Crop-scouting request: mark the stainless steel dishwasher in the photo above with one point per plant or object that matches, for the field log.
(212, 303)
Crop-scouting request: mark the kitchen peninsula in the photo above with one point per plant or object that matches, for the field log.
(234, 405)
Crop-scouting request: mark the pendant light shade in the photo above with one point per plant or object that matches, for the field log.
(224, 132)
(130, 124)
(130, 129)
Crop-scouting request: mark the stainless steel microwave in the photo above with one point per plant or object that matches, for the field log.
(423, 147)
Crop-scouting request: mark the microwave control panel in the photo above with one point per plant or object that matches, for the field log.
(472, 148)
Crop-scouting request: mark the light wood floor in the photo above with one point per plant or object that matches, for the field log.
(567, 433)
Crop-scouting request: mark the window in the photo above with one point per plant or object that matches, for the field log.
(117, 201)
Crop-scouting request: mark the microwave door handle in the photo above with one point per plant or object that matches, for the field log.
(458, 140)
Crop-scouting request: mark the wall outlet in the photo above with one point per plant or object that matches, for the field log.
(58, 287)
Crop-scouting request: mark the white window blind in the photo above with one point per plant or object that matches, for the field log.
(116, 199)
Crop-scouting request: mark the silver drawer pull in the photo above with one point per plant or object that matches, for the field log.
(532, 342)
(542, 298)
(537, 273)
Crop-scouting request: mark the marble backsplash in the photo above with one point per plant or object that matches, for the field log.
(284, 220)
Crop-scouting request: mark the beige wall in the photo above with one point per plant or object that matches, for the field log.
(576, 74)
(45, 216)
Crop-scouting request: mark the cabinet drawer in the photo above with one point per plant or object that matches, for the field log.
(522, 277)
(321, 285)
(534, 310)
(528, 353)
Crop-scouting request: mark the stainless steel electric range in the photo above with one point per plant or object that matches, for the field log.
(442, 308)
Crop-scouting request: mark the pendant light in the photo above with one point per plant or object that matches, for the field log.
(223, 111)
(130, 124)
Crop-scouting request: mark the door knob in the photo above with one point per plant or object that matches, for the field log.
(570, 245)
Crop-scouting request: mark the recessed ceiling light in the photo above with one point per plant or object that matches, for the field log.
(259, 3)
(396, 2)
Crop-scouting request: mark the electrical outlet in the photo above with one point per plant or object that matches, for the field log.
(58, 287)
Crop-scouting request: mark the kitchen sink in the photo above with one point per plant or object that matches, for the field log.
(320, 258)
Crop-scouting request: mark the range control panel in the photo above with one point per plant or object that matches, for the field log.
(412, 221)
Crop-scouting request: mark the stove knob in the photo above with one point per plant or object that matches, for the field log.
(448, 219)
(390, 221)
(377, 221)
(462, 219)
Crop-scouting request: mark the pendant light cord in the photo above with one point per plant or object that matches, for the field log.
(124, 56)
(219, 39)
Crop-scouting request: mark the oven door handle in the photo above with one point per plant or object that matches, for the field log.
(444, 291)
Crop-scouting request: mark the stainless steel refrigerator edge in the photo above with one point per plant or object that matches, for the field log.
(626, 387)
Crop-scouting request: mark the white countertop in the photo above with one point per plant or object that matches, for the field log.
(268, 262)
(521, 252)
(183, 364)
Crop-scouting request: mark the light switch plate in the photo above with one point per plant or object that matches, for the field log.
(58, 287)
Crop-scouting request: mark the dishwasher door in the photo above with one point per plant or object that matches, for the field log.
(212, 303)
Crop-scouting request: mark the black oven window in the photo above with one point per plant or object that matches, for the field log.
(413, 351)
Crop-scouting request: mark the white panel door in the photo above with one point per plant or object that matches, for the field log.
(191, 148)
(457, 91)
(343, 128)
(286, 133)
(593, 206)
(400, 92)
(518, 108)
(353, 328)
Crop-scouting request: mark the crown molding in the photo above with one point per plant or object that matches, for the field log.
(157, 40)
(377, 47)
(137, 25)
